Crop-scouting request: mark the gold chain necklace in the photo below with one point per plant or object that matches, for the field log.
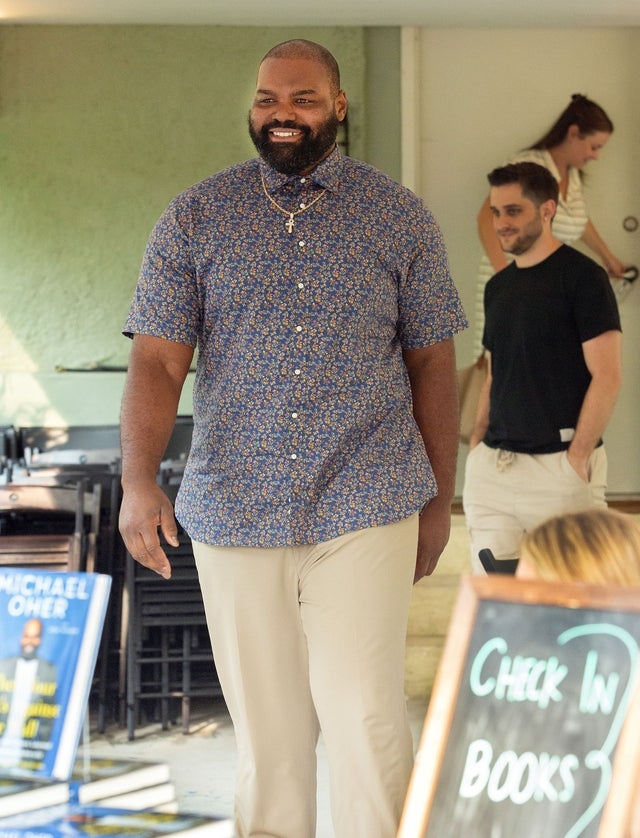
(290, 221)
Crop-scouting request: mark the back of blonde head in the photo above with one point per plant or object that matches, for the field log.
(597, 546)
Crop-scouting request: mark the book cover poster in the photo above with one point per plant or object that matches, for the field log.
(59, 821)
(51, 624)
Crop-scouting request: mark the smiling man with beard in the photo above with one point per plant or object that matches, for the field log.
(321, 472)
(296, 146)
(552, 335)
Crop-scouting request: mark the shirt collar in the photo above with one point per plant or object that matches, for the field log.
(326, 174)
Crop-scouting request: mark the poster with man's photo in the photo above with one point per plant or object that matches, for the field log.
(51, 628)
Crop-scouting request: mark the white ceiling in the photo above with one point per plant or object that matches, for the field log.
(467, 13)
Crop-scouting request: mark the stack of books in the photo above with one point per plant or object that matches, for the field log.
(69, 820)
(26, 795)
(122, 784)
(51, 628)
(102, 781)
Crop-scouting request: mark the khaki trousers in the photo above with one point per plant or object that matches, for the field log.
(506, 494)
(313, 638)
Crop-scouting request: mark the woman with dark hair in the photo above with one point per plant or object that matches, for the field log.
(576, 137)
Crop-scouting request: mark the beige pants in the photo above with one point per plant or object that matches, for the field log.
(506, 494)
(309, 638)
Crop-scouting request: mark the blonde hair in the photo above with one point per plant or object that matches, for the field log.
(597, 546)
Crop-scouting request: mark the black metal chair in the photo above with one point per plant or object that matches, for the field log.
(493, 565)
(56, 456)
(168, 652)
(51, 526)
(43, 446)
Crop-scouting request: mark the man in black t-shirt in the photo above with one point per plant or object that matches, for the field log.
(553, 343)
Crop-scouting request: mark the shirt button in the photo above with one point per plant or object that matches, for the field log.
(298, 328)
(301, 243)
(297, 372)
(294, 456)
(303, 205)
(303, 180)
(301, 285)
(294, 415)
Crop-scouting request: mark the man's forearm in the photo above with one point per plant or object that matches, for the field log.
(597, 409)
(603, 359)
(434, 388)
(149, 409)
(144, 435)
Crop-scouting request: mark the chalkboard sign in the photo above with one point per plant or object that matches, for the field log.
(533, 727)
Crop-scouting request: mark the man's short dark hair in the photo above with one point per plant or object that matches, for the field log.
(537, 182)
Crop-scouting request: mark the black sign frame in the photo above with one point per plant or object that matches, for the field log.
(450, 713)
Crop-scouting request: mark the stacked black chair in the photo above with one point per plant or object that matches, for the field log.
(168, 652)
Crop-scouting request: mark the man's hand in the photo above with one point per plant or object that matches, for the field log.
(143, 510)
(433, 535)
(579, 464)
(434, 391)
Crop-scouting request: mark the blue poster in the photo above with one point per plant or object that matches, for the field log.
(51, 624)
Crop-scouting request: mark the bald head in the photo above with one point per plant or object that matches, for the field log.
(31, 638)
(299, 48)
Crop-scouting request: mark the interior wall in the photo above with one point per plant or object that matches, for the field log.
(382, 140)
(485, 94)
(100, 126)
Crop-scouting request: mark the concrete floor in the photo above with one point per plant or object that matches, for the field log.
(203, 761)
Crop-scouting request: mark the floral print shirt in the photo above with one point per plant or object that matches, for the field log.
(303, 425)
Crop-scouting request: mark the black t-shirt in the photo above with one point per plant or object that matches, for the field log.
(536, 320)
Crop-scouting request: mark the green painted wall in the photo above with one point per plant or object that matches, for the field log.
(382, 118)
(100, 126)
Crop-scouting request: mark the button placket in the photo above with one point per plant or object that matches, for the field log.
(298, 328)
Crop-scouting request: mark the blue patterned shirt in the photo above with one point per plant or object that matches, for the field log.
(303, 425)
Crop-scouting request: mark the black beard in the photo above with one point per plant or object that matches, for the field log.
(28, 654)
(293, 158)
